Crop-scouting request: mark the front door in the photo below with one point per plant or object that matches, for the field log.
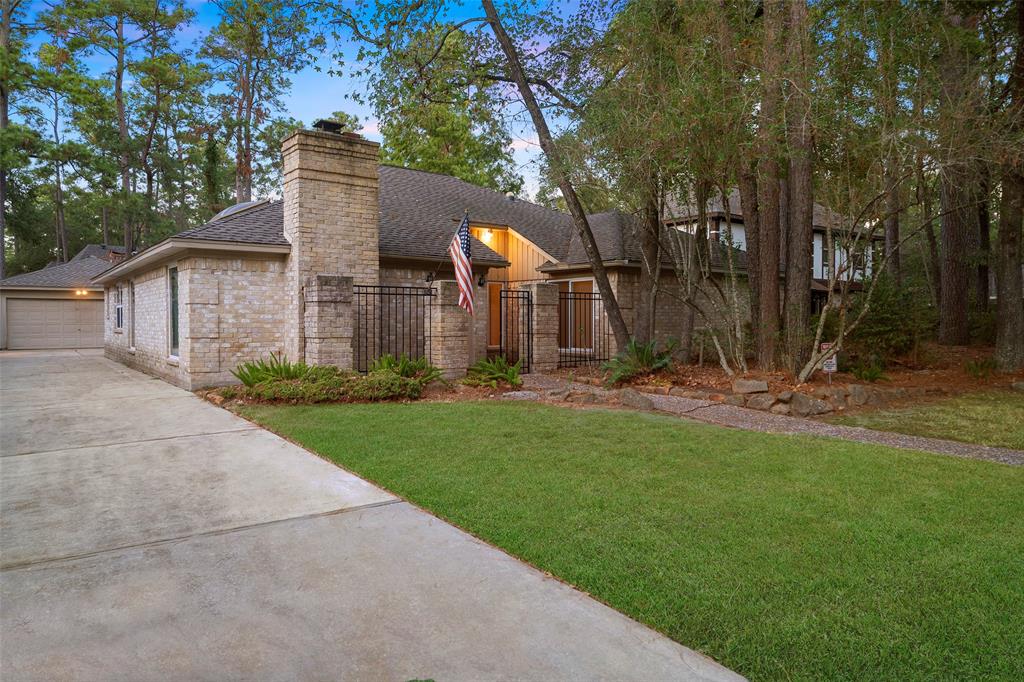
(494, 314)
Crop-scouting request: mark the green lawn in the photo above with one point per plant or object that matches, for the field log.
(780, 557)
(992, 418)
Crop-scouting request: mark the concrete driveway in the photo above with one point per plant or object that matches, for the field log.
(149, 535)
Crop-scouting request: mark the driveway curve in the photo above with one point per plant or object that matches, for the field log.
(148, 535)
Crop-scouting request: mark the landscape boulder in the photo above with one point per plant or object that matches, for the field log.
(780, 408)
(749, 386)
(859, 395)
(635, 399)
(521, 395)
(803, 405)
(761, 401)
(736, 400)
(785, 396)
(689, 393)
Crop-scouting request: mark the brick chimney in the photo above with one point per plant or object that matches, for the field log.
(331, 203)
(331, 218)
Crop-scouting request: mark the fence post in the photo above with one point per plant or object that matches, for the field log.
(544, 324)
(451, 329)
(328, 320)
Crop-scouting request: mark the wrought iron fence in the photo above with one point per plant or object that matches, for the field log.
(584, 336)
(516, 337)
(391, 320)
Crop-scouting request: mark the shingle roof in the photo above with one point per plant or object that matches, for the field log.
(263, 223)
(419, 212)
(76, 273)
(99, 251)
(678, 210)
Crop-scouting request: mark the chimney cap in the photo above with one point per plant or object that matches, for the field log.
(328, 126)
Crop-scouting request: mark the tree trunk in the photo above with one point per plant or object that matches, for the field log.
(924, 198)
(958, 190)
(124, 161)
(650, 267)
(58, 205)
(557, 164)
(984, 244)
(768, 199)
(748, 204)
(892, 223)
(1009, 353)
(800, 190)
(6, 20)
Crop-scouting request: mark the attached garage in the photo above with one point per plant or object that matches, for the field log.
(48, 323)
(58, 306)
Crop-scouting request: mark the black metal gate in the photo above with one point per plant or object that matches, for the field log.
(516, 312)
(390, 320)
(584, 336)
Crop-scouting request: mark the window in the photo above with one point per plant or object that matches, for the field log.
(172, 290)
(119, 308)
(131, 315)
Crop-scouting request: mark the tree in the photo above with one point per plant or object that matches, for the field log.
(498, 59)
(254, 49)
(1009, 353)
(433, 120)
(12, 74)
(120, 29)
(959, 196)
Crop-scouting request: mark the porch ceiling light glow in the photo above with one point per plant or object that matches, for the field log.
(486, 236)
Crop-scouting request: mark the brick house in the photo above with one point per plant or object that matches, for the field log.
(352, 262)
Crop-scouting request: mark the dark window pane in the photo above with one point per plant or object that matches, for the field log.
(173, 275)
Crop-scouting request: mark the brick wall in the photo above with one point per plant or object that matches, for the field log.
(230, 310)
(331, 218)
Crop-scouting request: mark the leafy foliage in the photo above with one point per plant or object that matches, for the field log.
(637, 360)
(329, 384)
(980, 369)
(493, 372)
(868, 370)
(404, 366)
(897, 322)
(277, 366)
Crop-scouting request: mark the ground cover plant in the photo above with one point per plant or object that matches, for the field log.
(990, 418)
(638, 360)
(781, 557)
(494, 372)
(276, 380)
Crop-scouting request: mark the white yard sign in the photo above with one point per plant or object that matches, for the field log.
(832, 364)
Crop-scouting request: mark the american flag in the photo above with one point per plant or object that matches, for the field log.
(462, 259)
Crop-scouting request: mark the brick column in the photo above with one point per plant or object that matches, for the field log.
(328, 320)
(451, 330)
(545, 325)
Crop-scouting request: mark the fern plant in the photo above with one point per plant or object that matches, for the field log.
(407, 367)
(638, 359)
(277, 366)
(980, 369)
(494, 371)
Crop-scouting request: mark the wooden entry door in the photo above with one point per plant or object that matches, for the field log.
(494, 314)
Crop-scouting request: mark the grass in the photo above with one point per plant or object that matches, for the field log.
(991, 418)
(781, 557)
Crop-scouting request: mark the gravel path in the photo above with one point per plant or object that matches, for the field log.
(766, 422)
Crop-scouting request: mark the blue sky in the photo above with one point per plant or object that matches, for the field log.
(315, 93)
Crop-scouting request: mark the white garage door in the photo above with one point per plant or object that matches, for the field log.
(48, 323)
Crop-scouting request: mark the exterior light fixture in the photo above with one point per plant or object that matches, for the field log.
(429, 277)
(486, 236)
(483, 280)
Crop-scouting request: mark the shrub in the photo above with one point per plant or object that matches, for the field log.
(494, 371)
(898, 320)
(980, 369)
(638, 359)
(276, 366)
(330, 384)
(871, 370)
(229, 393)
(404, 366)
